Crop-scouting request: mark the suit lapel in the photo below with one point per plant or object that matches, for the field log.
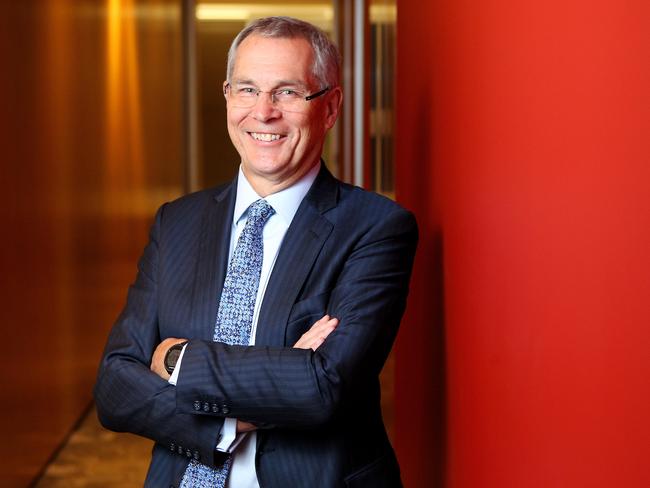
(300, 248)
(212, 262)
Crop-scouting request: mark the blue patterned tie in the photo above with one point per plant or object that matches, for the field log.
(235, 317)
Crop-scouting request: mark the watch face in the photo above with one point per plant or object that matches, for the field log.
(171, 358)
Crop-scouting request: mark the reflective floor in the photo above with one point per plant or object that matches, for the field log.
(95, 457)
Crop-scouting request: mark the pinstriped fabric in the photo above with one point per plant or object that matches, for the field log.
(235, 318)
(347, 253)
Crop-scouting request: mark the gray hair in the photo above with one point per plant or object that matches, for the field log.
(327, 60)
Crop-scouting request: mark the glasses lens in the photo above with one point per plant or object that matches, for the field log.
(285, 100)
(241, 98)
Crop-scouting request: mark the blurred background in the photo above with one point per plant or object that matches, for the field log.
(109, 109)
(517, 131)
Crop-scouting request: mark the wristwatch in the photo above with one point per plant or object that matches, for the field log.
(171, 357)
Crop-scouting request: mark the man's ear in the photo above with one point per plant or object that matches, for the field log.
(333, 106)
(225, 87)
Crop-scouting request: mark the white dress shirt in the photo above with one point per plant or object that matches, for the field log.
(285, 203)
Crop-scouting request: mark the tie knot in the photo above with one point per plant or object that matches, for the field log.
(260, 211)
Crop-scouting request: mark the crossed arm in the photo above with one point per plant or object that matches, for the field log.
(311, 339)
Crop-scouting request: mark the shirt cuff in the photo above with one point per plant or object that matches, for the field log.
(228, 439)
(177, 369)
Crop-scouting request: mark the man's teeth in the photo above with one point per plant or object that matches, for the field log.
(265, 137)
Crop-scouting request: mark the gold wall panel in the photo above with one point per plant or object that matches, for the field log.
(90, 145)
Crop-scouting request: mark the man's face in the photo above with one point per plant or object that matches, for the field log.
(278, 147)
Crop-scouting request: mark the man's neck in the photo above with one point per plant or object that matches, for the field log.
(265, 186)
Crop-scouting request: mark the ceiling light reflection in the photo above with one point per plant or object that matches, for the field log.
(321, 15)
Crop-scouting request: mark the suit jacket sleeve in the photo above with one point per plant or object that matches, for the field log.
(287, 387)
(128, 395)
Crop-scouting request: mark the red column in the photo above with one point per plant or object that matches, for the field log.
(523, 146)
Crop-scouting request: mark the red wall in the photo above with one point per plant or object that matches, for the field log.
(523, 146)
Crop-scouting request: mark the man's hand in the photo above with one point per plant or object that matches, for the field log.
(245, 426)
(315, 336)
(157, 361)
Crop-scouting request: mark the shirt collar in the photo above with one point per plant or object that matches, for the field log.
(285, 202)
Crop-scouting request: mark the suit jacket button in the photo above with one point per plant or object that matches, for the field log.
(215, 408)
(206, 407)
(197, 405)
(196, 455)
(225, 409)
(172, 446)
(188, 453)
(179, 449)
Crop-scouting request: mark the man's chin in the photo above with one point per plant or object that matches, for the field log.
(270, 169)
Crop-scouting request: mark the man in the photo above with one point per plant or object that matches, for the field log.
(263, 311)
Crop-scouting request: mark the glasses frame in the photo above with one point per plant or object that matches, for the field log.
(227, 87)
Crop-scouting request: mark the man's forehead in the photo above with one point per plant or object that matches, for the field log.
(274, 61)
(276, 41)
(295, 53)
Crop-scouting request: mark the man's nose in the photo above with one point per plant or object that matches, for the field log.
(265, 107)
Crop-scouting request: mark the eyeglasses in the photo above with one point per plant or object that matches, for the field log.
(285, 99)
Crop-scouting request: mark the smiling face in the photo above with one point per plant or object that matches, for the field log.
(278, 147)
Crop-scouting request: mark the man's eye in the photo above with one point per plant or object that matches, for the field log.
(287, 93)
(246, 91)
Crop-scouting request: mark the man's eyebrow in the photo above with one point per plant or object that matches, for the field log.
(299, 83)
(247, 81)
(239, 81)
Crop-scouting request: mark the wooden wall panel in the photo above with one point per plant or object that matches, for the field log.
(91, 145)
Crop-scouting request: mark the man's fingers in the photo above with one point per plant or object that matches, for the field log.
(323, 320)
(245, 426)
(326, 323)
(317, 334)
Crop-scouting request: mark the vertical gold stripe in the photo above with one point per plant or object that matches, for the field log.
(124, 104)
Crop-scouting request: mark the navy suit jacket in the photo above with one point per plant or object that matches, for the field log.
(347, 253)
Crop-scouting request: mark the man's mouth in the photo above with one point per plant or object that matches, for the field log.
(265, 136)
